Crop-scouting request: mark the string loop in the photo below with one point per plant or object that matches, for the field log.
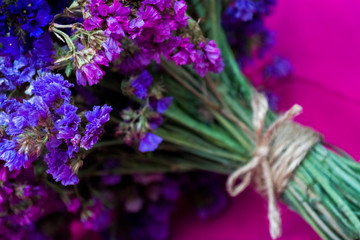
(279, 149)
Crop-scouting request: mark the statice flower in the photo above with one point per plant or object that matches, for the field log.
(48, 120)
(138, 125)
(89, 74)
(34, 15)
(151, 30)
(141, 84)
(115, 17)
(255, 38)
(96, 216)
(23, 200)
(278, 68)
(242, 9)
(160, 105)
(20, 67)
(149, 142)
(10, 46)
(246, 9)
(96, 118)
(208, 59)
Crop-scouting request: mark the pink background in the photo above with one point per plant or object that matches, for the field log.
(321, 38)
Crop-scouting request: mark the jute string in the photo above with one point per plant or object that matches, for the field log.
(279, 149)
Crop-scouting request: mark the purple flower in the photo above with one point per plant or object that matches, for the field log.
(13, 160)
(52, 87)
(149, 142)
(149, 15)
(67, 126)
(42, 51)
(90, 73)
(10, 46)
(208, 59)
(56, 160)
(186, 53)
(73, 205)
(96, 118)
(141, 84)
(35, 14)
(112, 48)
(115, 28)
(155, 121)
(279, 68)
(161, 4)
(119, 11)
(242, 9)
(160, 105)
(34, 25)
(92, 23)
(96, 217)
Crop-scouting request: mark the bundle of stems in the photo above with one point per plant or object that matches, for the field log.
(210, 127)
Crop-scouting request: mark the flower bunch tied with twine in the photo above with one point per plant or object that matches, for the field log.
(96, 90)
(220, 123)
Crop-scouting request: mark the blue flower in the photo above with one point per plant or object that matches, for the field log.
(149, 143)
(15, 72)
(56, 160)
(35, 15)
(52, 87)
(25, 115)
(97, 117)
(141, 84)
(242, 9)
(67, 126)
(10, 46)
(279, 68)
(42, 51)
(13, 159)
(160, 105)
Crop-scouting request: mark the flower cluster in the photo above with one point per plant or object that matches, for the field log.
(137, 125)
(244, 20)
(246, 9)
(147, 30)
(30, 15)
(17, 66)
(48, 119)
(23, 201)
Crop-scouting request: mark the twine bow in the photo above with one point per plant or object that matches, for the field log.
(275, 157)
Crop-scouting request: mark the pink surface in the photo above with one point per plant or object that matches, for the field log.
(321, 40)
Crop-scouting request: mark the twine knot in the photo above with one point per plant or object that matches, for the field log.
(278, 151)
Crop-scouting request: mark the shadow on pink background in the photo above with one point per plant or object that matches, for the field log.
(321, 38)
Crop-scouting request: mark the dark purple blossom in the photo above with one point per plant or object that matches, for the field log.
(160, 105)
(10, 46)
(73, 205)
(155, 121)
(242, 9)
(42, 51)
(34, 15)
(279, 68)
(56, 160)
(96, 217)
